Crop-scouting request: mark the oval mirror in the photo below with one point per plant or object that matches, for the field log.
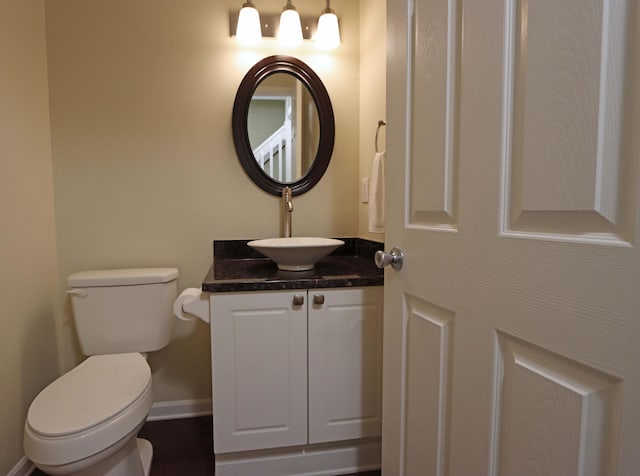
(283, 125)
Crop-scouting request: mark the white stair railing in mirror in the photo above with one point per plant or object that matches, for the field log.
(274, 154)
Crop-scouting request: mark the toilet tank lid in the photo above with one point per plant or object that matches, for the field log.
(122, 277)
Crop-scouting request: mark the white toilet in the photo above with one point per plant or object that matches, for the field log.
(86, 422)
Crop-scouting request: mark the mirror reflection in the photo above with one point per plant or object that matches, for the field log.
(283, 127)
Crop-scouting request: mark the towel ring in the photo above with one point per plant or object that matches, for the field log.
(380, 124)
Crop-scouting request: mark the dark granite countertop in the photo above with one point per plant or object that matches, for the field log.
(237, 267)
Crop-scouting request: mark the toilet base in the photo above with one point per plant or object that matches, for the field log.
(146, 454)
(133, 459)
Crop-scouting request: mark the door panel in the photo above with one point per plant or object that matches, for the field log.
(566, 151)
(511, 335)
(433, 162)
(553, 415)
(428, 361)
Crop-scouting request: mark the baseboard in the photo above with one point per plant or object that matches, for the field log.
(326, 459)
(180, 409)
(24, 468)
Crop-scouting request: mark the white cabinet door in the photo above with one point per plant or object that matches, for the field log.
(345, 349)
(259, 360)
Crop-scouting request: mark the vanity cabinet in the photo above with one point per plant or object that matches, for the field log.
(296, 367)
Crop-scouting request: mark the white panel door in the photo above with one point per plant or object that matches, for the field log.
(512, 333)
(259, 360)
(345, 363)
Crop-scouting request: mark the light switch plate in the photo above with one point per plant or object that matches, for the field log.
(364, 190)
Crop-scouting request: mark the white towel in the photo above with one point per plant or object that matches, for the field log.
(376, 195)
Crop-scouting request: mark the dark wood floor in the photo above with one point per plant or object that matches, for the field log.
(183, 447)
(180, 447)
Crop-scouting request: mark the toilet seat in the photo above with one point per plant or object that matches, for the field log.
(88, 409)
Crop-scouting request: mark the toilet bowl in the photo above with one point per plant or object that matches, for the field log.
(86, 421)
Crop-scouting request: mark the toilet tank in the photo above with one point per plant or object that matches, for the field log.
(123, 310)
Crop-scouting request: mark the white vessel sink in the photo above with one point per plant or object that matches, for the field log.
(296, 253)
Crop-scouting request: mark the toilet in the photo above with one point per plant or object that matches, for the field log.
(86, 422)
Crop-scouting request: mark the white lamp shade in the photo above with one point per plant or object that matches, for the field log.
(290, 32)
(248, 31)
(328, 34)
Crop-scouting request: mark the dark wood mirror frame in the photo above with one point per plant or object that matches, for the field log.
(302, 72)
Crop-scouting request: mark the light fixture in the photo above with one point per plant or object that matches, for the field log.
(250, 27)
(290, 31)
(328, 34)
(248, 31)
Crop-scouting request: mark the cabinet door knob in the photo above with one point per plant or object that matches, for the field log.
(318, 299)
(298, 300)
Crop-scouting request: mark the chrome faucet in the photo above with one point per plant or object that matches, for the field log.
(286, 212)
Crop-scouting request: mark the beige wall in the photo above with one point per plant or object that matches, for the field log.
(145, 171)
(28, 275)
(373, 51)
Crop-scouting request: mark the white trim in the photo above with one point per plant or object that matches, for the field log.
(180, 409)
(311, 460)
(23, 468)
